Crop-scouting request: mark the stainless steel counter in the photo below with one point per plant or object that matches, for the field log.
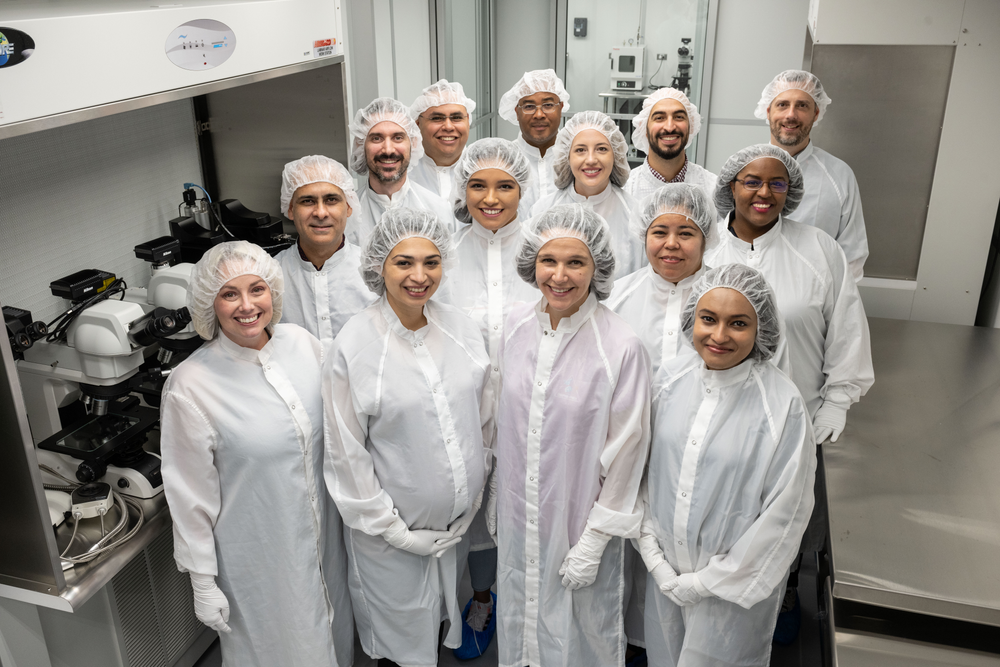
(914, 483)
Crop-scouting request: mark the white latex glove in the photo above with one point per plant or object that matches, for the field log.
(491, 507)
(419, 542)
(579, 568)
(460, 525)
(210, 604)
(829, 422)
(663, 575)
(688, 590)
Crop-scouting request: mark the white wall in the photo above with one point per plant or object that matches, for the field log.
(754, 41)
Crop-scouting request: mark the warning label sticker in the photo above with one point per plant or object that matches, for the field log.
(324, 47)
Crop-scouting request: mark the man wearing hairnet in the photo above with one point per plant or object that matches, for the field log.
(536, 104)
(443, 114)
(664, 129)
(323, 288)
(792, 103)
(385, 145)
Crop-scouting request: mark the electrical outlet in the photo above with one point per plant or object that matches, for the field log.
(661, 56)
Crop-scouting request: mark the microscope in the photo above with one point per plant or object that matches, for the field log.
(685, 60)
(92, 380)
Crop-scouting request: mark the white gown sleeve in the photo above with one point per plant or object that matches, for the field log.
(853, 236)
(348, 467)
(190, 482)
(618, 511)
(760, 558)
(847, 359)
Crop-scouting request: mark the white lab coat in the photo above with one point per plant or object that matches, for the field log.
(542, 174)
(615, 206)
(827, 331)
(411, 195)
(407, 435)
(485, 285)
(727, 495)
(832, 202)
(436, 179)
(653, 306)
(322, 301)
(641, 182)
(242, 446)
(571, 446)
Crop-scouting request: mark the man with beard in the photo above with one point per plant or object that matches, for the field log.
(792, 103)
(385, 142)
(443, 114)
(536, 104)
(664, 128)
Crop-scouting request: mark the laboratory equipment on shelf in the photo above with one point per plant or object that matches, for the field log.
(627, 67)
(685, 60)
(92, 384)
(202, 224)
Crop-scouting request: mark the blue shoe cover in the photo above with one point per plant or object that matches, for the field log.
(474, 643)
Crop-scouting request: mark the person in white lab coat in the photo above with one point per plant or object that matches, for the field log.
(408, 435)
(242, 447)
(728, 491)
(590, 162)
(536, 104)
(826, 329)
(385, 146)
(489, 180)
(676, 223)
(665, 127)
(792, 103)
(443, 113)
(323, 286)
(571, 446)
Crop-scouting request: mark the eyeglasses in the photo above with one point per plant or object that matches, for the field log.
(440, 118)
(777, 185)
(548, 107)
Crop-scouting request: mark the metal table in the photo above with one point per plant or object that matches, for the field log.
(913, 485)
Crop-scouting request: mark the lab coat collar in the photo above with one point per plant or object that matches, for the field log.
(567, 324)
(384, 200)
(529, 151)
(335, 259)
(509, 229)
(759, 243)
(805, 152)
(661, 284)
(258, 357)
(593, 200)
(397, 327)
(728, 377)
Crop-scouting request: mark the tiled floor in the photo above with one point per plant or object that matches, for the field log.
(805, 652)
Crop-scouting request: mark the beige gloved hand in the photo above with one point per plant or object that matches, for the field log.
(579, 568)
(688, 590)
(663, 575)
(491, 507)
(419, 542)
(829, 422)
(210, 604)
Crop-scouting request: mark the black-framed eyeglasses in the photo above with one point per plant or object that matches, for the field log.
(548, 107)
(439, 118)
(777, 185)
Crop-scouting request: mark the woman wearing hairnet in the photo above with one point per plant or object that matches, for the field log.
(728, 492)
(242, 447)
(675, 224)
(591, 165)
(408, 431)
(571, 445)
(828, 341)
(490, 178)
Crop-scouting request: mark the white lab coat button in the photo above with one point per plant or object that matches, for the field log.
(491, 242)
(496, 369)
(267, 368)
(448, 440)
(683, 495)
(680, 542)
(670, 333)
(539, 384)
(494, 284)
(496, 327)
(534, 431)
(708, 391)
(673, 291)
(532, 479)
(293, 406)
(325, 318)
(694, 442)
